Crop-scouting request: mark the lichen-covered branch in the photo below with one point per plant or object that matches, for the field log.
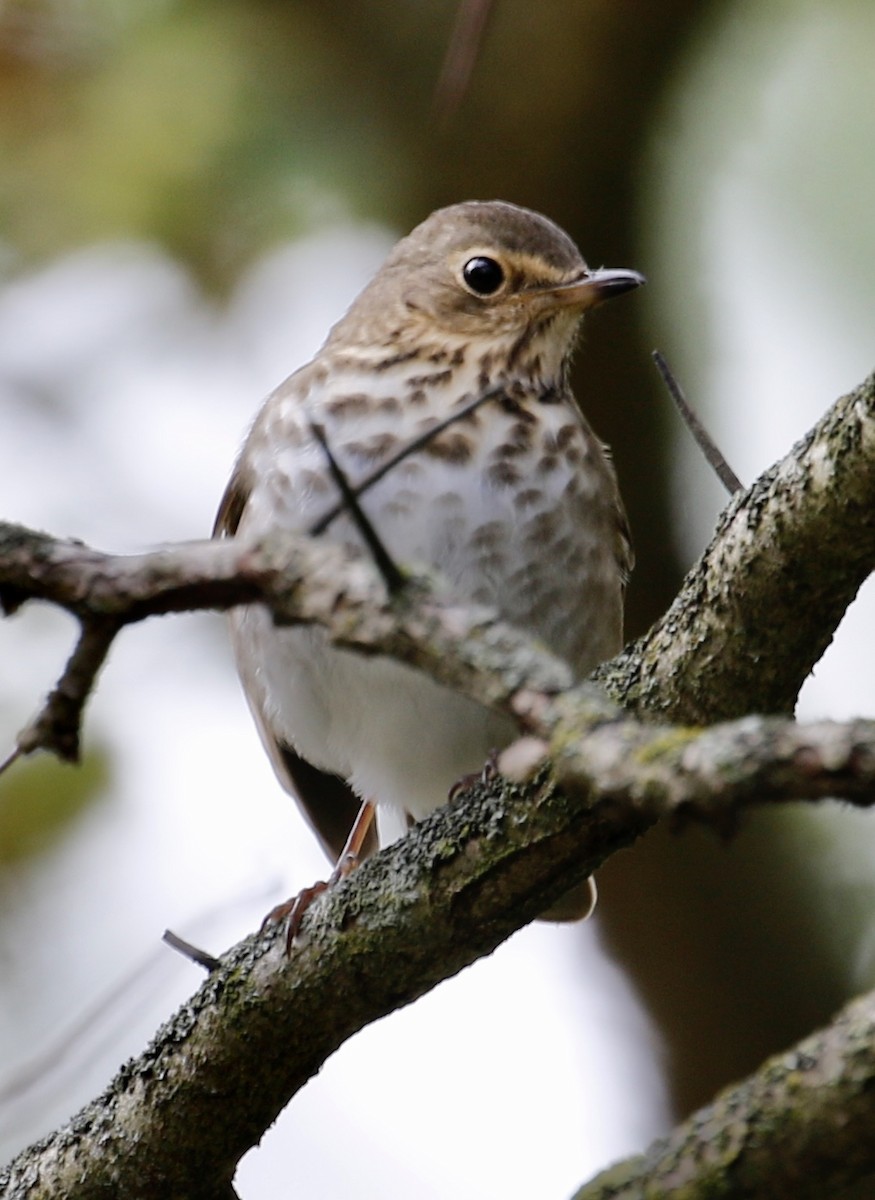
(714, 655)
(708, 775)
(800, 1129)
(751, 619)
(760, 607)
(176, 1121)
(301, 579)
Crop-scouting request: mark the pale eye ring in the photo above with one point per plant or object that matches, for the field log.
(483, 275)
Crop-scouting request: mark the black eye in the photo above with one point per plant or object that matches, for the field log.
(483, 275)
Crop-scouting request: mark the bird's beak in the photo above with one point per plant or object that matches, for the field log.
(594, 287)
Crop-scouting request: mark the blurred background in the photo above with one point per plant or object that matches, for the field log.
(190, 193)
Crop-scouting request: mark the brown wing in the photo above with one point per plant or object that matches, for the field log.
(624, 548)
(327, 801)
(232, 504)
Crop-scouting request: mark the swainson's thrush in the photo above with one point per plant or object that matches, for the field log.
(515, 504)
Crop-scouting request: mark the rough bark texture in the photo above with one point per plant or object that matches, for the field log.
(800, 1129)
(176, 1120)
(747, 627)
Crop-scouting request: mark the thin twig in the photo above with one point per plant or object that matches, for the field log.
(10, 758)
(703, 439)
(58, 725)
(201, 957)
(385, 564)
(103, 1014)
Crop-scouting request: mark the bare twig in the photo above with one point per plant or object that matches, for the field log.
(18, 1089)
(58, 725)
(385, 564)
(201, 958)
(14, 754)
(713, 656)
(705, 775)
(703, 439)
(301, 580)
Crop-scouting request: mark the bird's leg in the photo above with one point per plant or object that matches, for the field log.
(348, 860)
(352, 847)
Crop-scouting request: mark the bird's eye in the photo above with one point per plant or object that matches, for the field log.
(483, 275)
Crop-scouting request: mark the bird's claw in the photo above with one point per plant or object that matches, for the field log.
(294, 909)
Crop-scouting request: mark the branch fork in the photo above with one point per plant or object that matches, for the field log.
(586, 778)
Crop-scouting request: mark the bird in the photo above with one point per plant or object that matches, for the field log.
(466, 333)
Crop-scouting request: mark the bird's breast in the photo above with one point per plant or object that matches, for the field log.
(515, 503)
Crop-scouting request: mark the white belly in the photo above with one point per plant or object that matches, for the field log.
(395, 735)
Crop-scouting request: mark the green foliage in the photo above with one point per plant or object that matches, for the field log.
(40, 799)
(215, 130)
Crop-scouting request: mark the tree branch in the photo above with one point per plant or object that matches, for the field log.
(800, 1129)
(466, 878)
(300, 579)
(58, 725)
(477, 870)
(761, 605)
(714, 655)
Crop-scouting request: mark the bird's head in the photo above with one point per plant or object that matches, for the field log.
(484, 272)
